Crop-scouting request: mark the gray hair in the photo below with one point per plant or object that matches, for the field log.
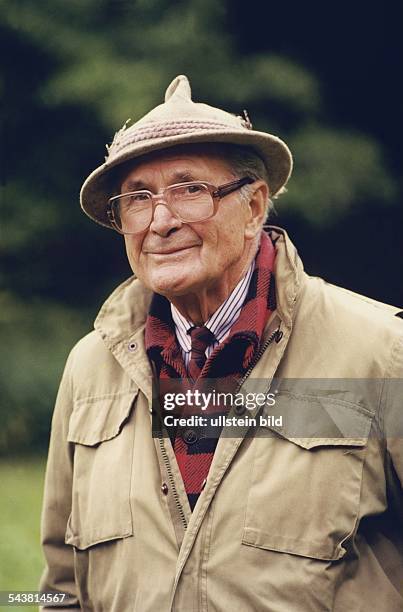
(244, 161)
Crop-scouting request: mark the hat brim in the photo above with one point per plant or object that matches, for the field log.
(101, 183)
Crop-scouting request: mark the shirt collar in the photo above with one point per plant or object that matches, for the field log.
(221, 320)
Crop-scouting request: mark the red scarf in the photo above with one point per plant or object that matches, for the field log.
(229, 361)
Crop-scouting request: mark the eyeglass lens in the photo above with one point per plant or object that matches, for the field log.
(192, 202)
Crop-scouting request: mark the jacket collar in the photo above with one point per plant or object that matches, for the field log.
(289, 274)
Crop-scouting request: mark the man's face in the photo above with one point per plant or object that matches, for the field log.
(174, 258)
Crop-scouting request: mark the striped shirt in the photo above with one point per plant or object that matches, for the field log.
(219, 323)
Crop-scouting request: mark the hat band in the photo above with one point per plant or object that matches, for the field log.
(166, 129)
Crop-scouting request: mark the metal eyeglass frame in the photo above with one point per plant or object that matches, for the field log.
(216, 194)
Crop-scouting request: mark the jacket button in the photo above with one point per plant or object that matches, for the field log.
(132, 346)
(190, 436)
(164, 488)
(239, 410)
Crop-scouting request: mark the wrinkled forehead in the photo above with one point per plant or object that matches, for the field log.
(192, 157)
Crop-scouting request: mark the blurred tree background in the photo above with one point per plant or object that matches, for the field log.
(73, 71)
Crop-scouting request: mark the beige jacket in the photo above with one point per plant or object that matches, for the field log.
(302, 518)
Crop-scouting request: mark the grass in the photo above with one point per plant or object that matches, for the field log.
(21, 560)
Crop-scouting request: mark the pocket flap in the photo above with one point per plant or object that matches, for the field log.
(320, 420)
(97, 419)
(97, 535)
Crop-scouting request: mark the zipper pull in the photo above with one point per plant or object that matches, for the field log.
(278, 336)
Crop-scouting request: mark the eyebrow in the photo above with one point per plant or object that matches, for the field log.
(177, 177)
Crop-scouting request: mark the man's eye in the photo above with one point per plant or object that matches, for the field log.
(138, 197)
(194, 189)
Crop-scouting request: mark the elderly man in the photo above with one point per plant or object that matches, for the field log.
(297, 507)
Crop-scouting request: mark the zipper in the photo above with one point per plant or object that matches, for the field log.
(171, 479)
(276, 335)
(166, 459)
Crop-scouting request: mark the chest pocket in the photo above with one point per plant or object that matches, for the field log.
(306, 480)
(101, 430)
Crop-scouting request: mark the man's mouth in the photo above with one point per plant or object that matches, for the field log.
(171, 250)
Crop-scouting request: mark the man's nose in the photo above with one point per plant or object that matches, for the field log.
(164, 221)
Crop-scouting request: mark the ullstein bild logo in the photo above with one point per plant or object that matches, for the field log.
(223, 421)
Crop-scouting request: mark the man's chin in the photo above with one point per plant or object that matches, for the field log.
(171, 285)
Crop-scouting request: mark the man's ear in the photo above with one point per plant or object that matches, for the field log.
(256, 209)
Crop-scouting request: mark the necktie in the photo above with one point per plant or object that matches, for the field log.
(201, 338)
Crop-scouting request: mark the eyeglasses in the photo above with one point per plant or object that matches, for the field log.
(132, 213)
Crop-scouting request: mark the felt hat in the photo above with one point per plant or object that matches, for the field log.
(179, 120)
